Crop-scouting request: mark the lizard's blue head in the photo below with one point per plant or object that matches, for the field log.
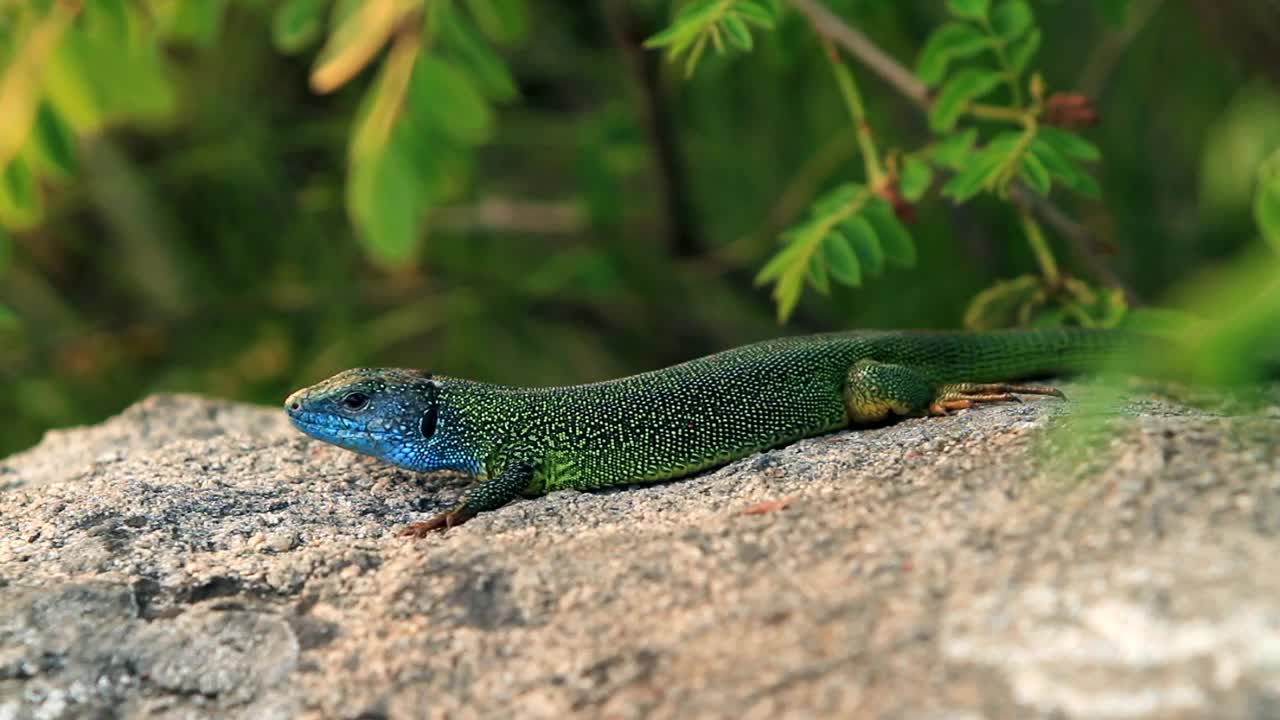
(389, 413)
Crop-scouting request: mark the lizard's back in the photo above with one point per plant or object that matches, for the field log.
(678, 420)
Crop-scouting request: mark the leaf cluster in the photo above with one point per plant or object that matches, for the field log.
(850, 234)
(722, 24)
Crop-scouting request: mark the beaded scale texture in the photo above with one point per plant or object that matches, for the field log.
(671, 422)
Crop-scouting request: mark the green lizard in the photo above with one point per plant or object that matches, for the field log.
(676, 421)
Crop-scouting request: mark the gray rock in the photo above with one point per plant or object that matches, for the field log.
(192, 558)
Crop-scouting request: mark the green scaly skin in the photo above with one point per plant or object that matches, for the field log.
(676, 421)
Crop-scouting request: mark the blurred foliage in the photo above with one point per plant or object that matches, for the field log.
(239, 197)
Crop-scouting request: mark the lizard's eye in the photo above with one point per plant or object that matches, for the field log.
(355, 401)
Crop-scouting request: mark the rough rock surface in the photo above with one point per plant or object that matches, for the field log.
(192, 558)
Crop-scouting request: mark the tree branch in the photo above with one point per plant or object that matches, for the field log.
(1084, 242)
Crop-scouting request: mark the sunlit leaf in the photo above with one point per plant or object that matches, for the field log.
(817, 273)
(385, 207)
(198, 22)
(963, 87)
(785, 258)
(756, 13)
(736, 30)
(953, 150)
(895, 241)
(491, 73)
(915, 179)
(109, 18)
(998, 305)
(969, 9)
(836, 199)
(503, 21)
(865, 244)
(360, 33)
(1033, 172)
(1023, 49)
(53, 143)
(442, 96)
(841, 259)
(1064, 169)
(1011, 18)
(947, 43)
(1070, 144)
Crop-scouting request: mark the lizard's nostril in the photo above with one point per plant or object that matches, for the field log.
(295, 405)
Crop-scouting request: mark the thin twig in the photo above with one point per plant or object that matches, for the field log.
(1084, 242)
(830, 26)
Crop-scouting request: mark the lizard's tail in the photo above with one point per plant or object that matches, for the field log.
(1018, 354)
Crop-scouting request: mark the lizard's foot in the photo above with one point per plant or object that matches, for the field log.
(960, 396)
(442, 521)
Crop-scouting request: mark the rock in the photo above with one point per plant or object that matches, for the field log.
(192, 558)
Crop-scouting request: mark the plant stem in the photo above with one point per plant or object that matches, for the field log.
(996, 112)
(1040, 247)
(876, 178)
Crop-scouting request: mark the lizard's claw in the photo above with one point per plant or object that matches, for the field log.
(965, 395)
(442, 521)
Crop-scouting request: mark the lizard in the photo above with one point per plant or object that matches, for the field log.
(677, 421)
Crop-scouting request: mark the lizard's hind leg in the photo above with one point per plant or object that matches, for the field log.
(875, 390)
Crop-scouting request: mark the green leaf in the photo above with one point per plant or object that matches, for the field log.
(53, 143)
(982, 169)
(1022, 50)
(915, 179)
(20, 204)
(969, 9)
(491, 73)
(442, 96)
(297, 23)
(736, 30)
(841, 259)
(964, 87)
(836, 200)
(383, 202)
(198, 22)
(108, 19)
(1011, 18)
(1064, 169)
(503, 21)
(6, 249)
(998, 305)
(68, 87)
(817, 273)
(894, 238)
(949, 42)
(779, 263)
(1034, 174)
(865, 244)
(1266, 201)
(756, 13)
(953, 150)
(1070, 144)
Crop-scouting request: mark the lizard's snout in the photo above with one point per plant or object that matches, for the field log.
(293, 403)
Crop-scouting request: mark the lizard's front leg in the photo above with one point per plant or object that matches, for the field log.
(873, 391)
(490, 494)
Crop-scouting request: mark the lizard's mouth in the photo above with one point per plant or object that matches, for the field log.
(339, 431)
